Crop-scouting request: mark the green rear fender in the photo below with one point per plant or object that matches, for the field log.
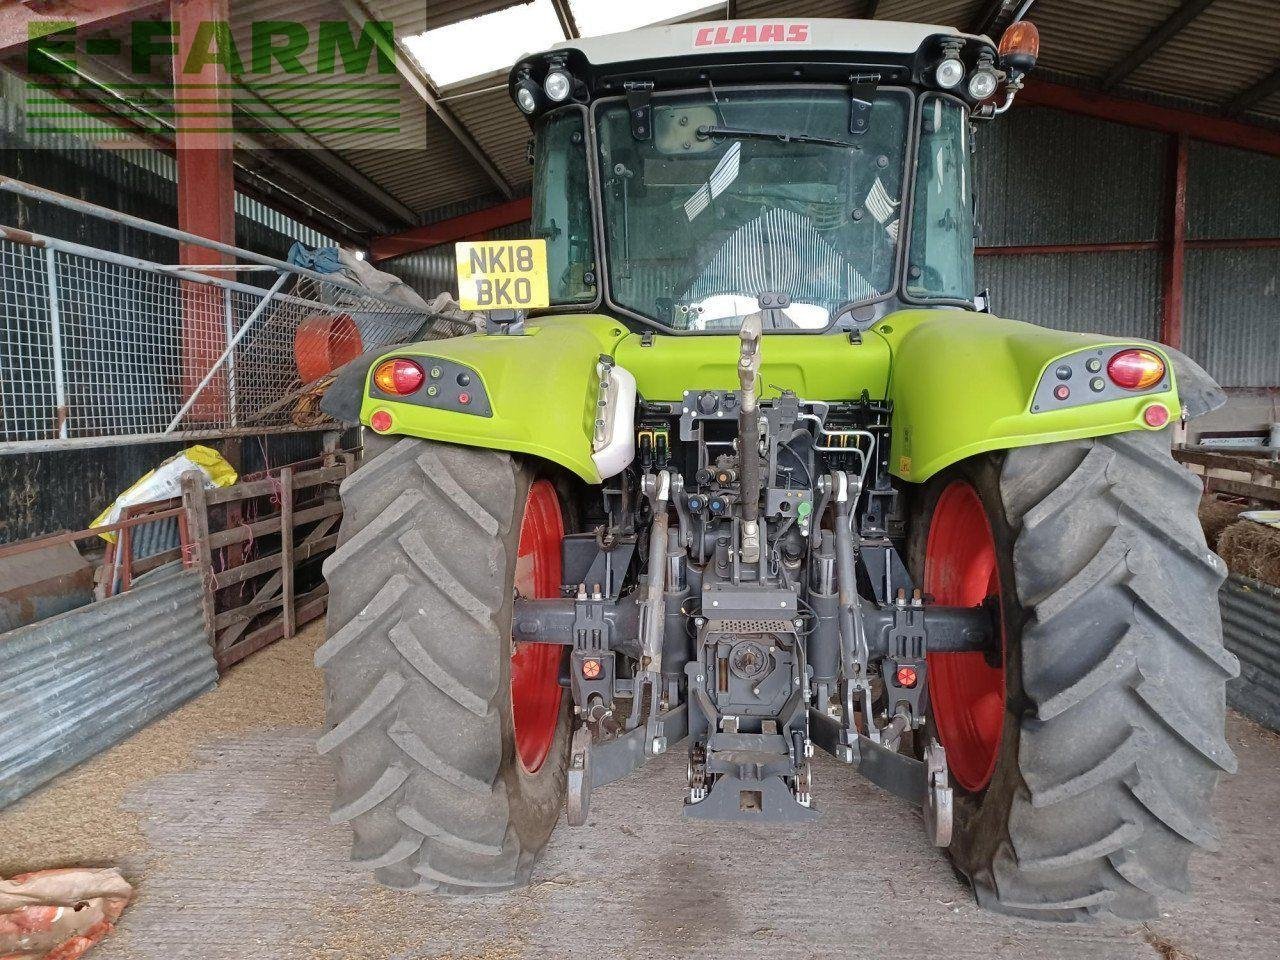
(541, 390)
(961, 383)
(964, 383)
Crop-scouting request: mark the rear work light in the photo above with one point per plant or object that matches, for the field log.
(1135, 369)
(399, 377)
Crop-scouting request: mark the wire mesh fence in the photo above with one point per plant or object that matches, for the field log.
(97, 345)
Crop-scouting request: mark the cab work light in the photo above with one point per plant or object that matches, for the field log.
(398, 376)
(1135, 369)
(557, 86)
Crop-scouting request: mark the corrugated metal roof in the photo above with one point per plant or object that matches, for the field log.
(75, 684)
(1224, 51)
(422, 164)
(1089, 37)
(441, 13)
(499, 128)
(954, 13)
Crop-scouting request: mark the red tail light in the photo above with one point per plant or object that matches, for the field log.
(1135, 369)
(398, 376)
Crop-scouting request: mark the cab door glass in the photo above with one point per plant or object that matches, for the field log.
(562, 206)
(940, 264)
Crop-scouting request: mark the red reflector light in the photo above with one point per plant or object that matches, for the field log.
(1135, 369)
(591, 669)
(907, 676)
(1156, 415)
(380, 421)
(398, 377)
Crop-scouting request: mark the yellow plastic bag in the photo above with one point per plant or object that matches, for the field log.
(165, 481)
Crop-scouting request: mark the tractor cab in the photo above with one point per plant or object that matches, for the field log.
(681, 171)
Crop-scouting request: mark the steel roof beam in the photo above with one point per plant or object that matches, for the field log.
(451, 230)
(421, 84)
(990, 15)
(1253, 96)
(567, 22)
(1157, 38)
(1150, 116)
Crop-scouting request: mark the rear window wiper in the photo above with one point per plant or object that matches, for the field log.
(707, 130)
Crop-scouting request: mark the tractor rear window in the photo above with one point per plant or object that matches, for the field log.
(740, 192)
(562, 206)
(940, 265)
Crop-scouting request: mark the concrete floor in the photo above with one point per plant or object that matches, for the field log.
(229, 843)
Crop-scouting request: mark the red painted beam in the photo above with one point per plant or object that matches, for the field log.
(206, 203)
(1175, 242)
(1130, 246)
(1231, 243)
(1149, 116)
(19, 21)
(1032, 250)
(452, 230)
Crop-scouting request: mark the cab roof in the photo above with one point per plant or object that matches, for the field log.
(727, 36)
(809, 49)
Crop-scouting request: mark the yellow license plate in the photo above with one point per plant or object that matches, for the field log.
(502, 275)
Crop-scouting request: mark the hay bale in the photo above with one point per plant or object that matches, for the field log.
(1216, 515)
(1252, 550)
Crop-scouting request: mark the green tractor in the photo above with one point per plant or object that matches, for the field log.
(742, 466)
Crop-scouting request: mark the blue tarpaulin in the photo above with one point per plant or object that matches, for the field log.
(321, 259)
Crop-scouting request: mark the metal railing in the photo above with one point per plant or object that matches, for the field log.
(97, 347)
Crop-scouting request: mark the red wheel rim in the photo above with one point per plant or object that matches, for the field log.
(967, 693)
(535, 667)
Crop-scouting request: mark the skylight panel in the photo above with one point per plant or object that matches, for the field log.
(596, 17)
(481, 45)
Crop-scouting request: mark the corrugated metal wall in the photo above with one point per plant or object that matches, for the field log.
(1050, 178)
(1113, 293)
(1232, 322)
(1251, 630)
(75, 684)
(1045, 177)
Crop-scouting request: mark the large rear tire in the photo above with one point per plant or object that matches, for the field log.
(451, 776)
(1086, 754)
